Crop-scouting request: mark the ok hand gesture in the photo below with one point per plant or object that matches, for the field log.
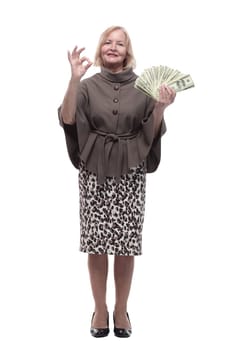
(79, 65)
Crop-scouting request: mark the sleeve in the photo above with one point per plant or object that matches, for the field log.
(152, 142)
(71, 138)
(76, 134)
(154, 155)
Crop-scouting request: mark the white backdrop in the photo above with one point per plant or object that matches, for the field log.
(182, 289)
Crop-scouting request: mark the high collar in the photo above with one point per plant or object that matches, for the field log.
(120, 77)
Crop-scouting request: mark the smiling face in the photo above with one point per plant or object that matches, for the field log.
(114, 50)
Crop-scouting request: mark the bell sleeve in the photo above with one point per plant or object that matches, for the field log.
(154, 155)
(149, 144)
(71, 138)
(76, 135)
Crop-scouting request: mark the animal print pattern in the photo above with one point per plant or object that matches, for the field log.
(112, 214)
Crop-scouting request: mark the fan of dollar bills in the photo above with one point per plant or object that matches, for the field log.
(152, 78)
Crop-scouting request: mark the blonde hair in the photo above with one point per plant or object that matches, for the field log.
(129, 62)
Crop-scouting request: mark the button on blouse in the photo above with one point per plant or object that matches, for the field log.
(115, 111)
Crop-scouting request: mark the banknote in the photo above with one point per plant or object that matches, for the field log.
(152, 78)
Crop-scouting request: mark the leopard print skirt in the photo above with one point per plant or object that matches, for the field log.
(112, 214)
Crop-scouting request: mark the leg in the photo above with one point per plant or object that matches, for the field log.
(123, 273)
(98, 270)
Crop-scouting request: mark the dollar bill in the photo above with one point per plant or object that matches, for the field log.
(182, 84)
(152, 78)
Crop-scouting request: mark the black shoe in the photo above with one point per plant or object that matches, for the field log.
(122, 332)
(100, 332)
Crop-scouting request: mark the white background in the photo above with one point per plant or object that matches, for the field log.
(182, 290)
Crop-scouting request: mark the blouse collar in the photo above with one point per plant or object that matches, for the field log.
(120, 77)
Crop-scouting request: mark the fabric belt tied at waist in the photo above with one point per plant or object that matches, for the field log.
(107, 141)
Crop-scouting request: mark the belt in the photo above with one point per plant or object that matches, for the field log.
(107, 141)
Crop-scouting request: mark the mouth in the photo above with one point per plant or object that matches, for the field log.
(111, 54)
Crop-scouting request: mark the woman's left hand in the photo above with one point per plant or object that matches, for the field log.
(166, 96)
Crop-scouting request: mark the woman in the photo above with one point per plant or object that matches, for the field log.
(113, 134)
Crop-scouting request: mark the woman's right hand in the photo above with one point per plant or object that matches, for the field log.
(79, 65)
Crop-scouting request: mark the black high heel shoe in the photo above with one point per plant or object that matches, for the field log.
(100, 332)
(122, 332)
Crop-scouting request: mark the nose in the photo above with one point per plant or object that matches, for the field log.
(113, 46)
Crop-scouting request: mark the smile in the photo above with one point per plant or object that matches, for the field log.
(112, 54)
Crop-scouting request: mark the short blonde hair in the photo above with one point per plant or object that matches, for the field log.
(129, 62)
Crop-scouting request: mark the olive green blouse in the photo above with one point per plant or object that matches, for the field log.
(114, 126)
